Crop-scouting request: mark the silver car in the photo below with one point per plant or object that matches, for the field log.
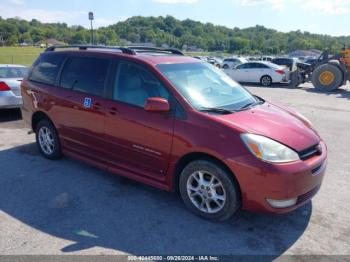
(10, 90)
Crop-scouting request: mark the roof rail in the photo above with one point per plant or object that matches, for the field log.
(131, 50)
(124, 50)
(143, 49)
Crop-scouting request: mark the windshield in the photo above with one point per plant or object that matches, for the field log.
(205, 86)
(13, 72)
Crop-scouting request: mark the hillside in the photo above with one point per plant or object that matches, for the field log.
(173, 32)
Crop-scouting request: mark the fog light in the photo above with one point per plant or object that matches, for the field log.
(282, 203)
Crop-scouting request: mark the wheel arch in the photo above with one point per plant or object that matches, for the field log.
(190, 157)
(37, 117)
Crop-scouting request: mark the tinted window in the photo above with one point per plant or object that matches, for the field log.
(13, 72)
(283, 61)
(254, 65)
(134, 85)
(261, 66)
(46, 68)
(85, 74)
(245, 66)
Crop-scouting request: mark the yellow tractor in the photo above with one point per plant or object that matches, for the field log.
(329, 73)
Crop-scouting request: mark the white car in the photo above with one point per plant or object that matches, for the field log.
(233, 62)
(266, 58)
(10, 80)
(259, 72)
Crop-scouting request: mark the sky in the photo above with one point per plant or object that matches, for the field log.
(330, 17)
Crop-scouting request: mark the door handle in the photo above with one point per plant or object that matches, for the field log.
(113, 110)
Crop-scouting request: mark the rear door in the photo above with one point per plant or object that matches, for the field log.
(80, 108)
(138, 141)
(260, 70)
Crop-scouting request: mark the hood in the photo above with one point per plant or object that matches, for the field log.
(276, 123)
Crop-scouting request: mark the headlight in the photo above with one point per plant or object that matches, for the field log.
(269, 150)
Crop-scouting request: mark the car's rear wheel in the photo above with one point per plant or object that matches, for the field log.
(208, 190)
(266, 81)
(47, 140)
(226, 66)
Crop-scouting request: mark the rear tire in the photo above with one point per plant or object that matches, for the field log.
(266, 81)
(216, 197)
(225, 66)
(327, 77)
(47, 140)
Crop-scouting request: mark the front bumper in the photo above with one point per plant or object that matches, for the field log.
(260, 181)
(9, 100)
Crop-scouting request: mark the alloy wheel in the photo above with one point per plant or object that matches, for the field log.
(46, 140)
(206, 192)
(266, 81)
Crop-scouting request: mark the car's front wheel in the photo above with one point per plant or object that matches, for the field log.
(47, 140)
(208, 190)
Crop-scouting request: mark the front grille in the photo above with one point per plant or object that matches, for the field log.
(308, 195)
(310, 152)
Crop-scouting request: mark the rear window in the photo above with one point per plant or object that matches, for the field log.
(259, 65)
(46, 68)
(13, 72)
(85, 74)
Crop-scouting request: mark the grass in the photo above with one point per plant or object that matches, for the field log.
(19, 55)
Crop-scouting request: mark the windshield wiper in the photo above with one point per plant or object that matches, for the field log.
(259, 102)
(216, 110)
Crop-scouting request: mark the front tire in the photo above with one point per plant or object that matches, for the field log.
(209, 191)
(47, 140)
(266, 81)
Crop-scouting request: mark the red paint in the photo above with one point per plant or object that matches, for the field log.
(4, 87)
(146, 146)
(156, 104)
(281, 72)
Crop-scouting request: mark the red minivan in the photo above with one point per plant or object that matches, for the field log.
(176, 123)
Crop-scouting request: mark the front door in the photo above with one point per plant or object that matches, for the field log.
(138, 141)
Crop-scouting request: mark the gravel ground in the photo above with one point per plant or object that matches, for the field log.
(68, 207)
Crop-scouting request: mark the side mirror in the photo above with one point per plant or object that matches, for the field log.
(157, 104)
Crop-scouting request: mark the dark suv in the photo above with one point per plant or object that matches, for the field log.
(291, 63)
(176, 123)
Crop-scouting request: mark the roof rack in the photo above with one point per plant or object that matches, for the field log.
(145, 49)
(131, 50)
(124, 50)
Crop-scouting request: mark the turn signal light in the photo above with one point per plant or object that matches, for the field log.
(4, 87)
